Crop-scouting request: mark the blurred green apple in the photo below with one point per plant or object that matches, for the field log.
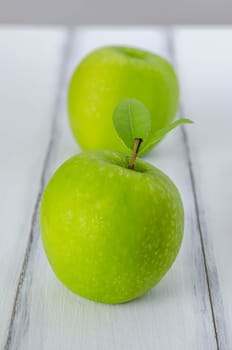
(109, 75)
(110, 233)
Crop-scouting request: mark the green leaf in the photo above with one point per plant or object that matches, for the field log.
(162, 132)
(131, 120)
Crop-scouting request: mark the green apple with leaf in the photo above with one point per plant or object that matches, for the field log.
(107, 76)
(111, 223)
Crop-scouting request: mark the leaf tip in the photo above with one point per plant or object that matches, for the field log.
(187, 121)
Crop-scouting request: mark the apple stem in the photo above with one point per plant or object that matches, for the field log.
(137, 143)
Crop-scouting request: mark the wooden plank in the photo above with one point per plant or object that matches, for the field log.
(175, 315)
(30, 64)
(204, 58)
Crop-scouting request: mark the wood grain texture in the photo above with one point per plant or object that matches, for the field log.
(175, 315)
(204, 59)
(29, 66)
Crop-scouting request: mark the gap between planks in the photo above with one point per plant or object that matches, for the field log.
(65, 52)
(212, 280)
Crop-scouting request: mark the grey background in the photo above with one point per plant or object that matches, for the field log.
(74, 12)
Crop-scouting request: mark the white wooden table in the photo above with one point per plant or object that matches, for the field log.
(191, 308)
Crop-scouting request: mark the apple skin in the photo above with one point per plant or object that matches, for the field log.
(110, 74)
(110, 233)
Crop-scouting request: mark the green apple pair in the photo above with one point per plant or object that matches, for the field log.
(111, 223)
